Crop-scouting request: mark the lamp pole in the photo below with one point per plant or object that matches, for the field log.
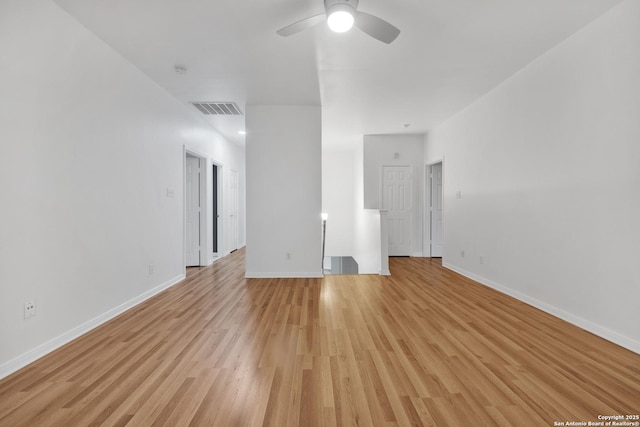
(324, 236)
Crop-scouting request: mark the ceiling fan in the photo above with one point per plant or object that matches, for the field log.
(341, 15)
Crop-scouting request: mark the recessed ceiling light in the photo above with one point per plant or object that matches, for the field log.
(242, 132)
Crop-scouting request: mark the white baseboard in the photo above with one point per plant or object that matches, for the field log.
(585, 324)
(36, 353)
(385, 273)
(287, 275)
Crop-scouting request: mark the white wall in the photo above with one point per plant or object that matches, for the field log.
(379, 151)
(367, 242)
(89, 148)
(338, 196)
(547, 165)
(284, 191)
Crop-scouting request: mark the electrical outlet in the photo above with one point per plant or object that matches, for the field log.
(481, 259)
(152, 268)
(462, 253)
(29, 309)
(288, 256)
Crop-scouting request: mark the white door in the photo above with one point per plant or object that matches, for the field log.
(233, 210)
(436, 210)
(192, 211)
(396, 199)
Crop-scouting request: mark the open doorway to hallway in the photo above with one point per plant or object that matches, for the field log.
(434, 235)
(215, 209)
(194, 210)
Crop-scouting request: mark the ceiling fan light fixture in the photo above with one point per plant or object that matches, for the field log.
(340, 17)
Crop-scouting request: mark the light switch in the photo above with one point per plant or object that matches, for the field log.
(170, 193)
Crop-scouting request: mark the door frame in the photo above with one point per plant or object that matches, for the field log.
(426, 238)
(219, 220)
(203, 206)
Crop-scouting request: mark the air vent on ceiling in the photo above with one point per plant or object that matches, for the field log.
(218, 108)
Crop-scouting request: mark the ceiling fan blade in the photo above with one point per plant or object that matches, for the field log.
(376, 27)
(301, 25)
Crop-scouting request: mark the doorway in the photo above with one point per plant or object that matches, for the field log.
(194, 211)
(396, 200)
(215, 209)
(435, 209)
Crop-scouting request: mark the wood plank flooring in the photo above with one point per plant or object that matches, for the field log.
(423, 347)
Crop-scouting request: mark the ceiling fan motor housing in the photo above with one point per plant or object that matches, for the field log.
(336, 5)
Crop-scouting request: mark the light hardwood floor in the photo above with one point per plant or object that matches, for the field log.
(424, 346)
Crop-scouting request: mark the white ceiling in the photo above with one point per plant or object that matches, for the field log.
(448, 54)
